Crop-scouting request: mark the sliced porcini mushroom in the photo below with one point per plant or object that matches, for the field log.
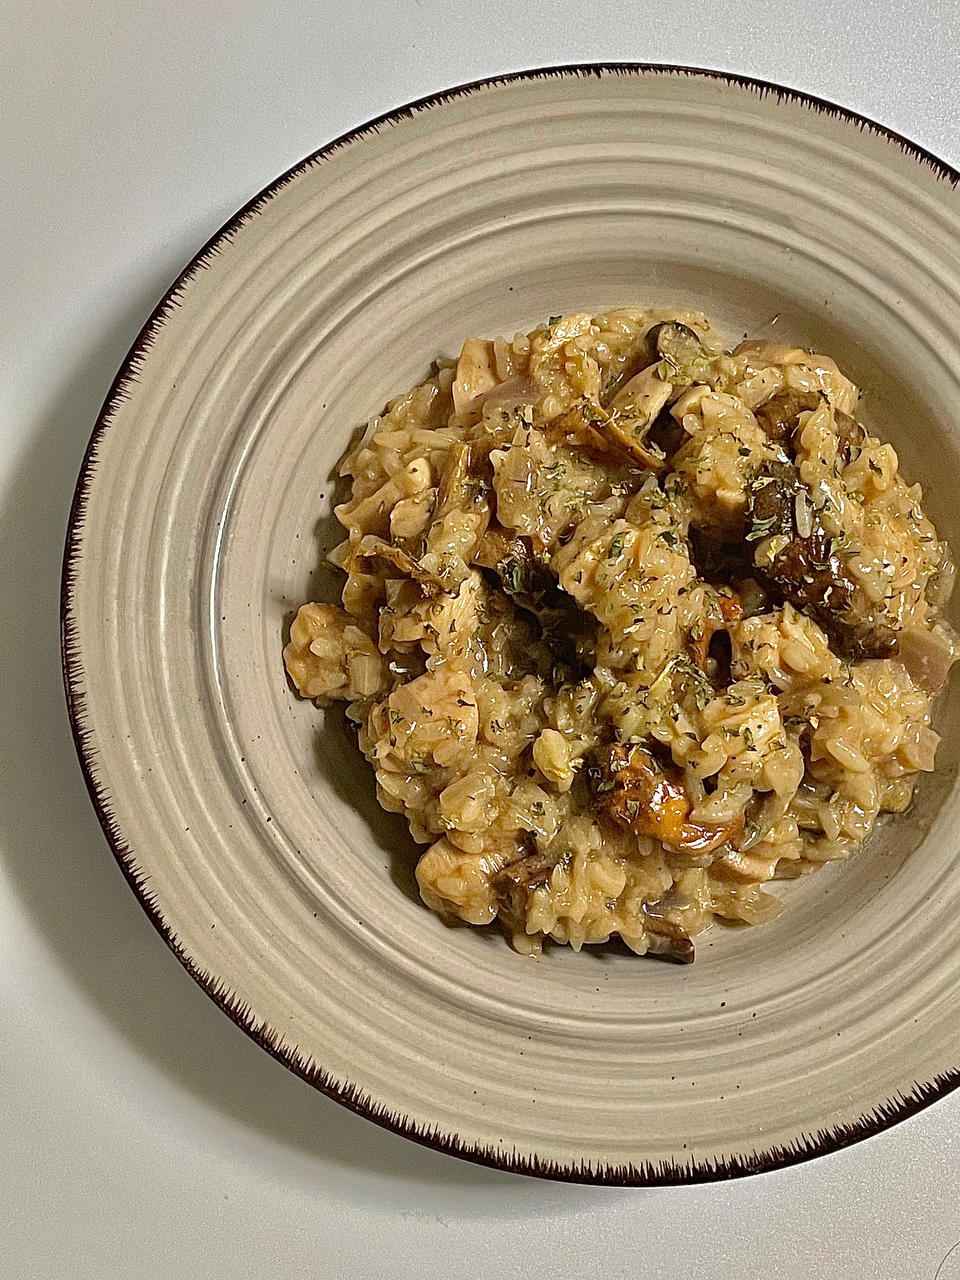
(801, 563)
(455, 475)
(850, 435)
(465, 486)
(621, 431)
(496, 544)
(476, 375)
(569, 630)
(466, 476)
(375, 555)
(730, 609)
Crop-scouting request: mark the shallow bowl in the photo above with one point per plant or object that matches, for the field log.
(245, 819)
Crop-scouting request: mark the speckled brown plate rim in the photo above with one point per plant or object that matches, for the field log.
(824, 1141)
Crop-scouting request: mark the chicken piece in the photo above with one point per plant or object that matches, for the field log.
(460, 884)
(803, 371)
(330, 657)
(517, 390)
(928, 655)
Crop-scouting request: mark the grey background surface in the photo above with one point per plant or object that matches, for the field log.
(140, 1132)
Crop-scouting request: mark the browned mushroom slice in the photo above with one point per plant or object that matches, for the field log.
(644, 395)
(667, 941)
(515, 391)
(455, 475)
(514, 883)
(623, 435)
(696, 838)
(633, 435)
(778, 417)
(375, 555)
(650, 799)
(569, 632)
(805, 570)
(466, 477)
(466, 486)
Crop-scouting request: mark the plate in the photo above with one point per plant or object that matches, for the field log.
(244, 819)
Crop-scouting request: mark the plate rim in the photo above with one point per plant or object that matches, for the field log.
(806, 1146)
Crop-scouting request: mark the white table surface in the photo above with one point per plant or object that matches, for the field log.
(141, 1133)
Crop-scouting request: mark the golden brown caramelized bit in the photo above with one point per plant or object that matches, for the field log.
(650, 799)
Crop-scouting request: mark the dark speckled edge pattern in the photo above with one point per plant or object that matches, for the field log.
(804, 1148)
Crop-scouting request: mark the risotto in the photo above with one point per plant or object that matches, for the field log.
(631, 625)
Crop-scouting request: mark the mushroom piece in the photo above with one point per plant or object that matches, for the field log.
(513, 884)
(666, 940)
(804, 568)
(699, 645)
(850, 435)
(644, 395)
(585, 424)
(496, 544)
(375, 555)
(779, 416)
(568, 630)
(643, 796)
(625, 433)
(515, 391)
(464, 483)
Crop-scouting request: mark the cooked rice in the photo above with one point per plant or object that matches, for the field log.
(631, 625)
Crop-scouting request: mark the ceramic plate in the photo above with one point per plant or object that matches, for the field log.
(245, 819)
